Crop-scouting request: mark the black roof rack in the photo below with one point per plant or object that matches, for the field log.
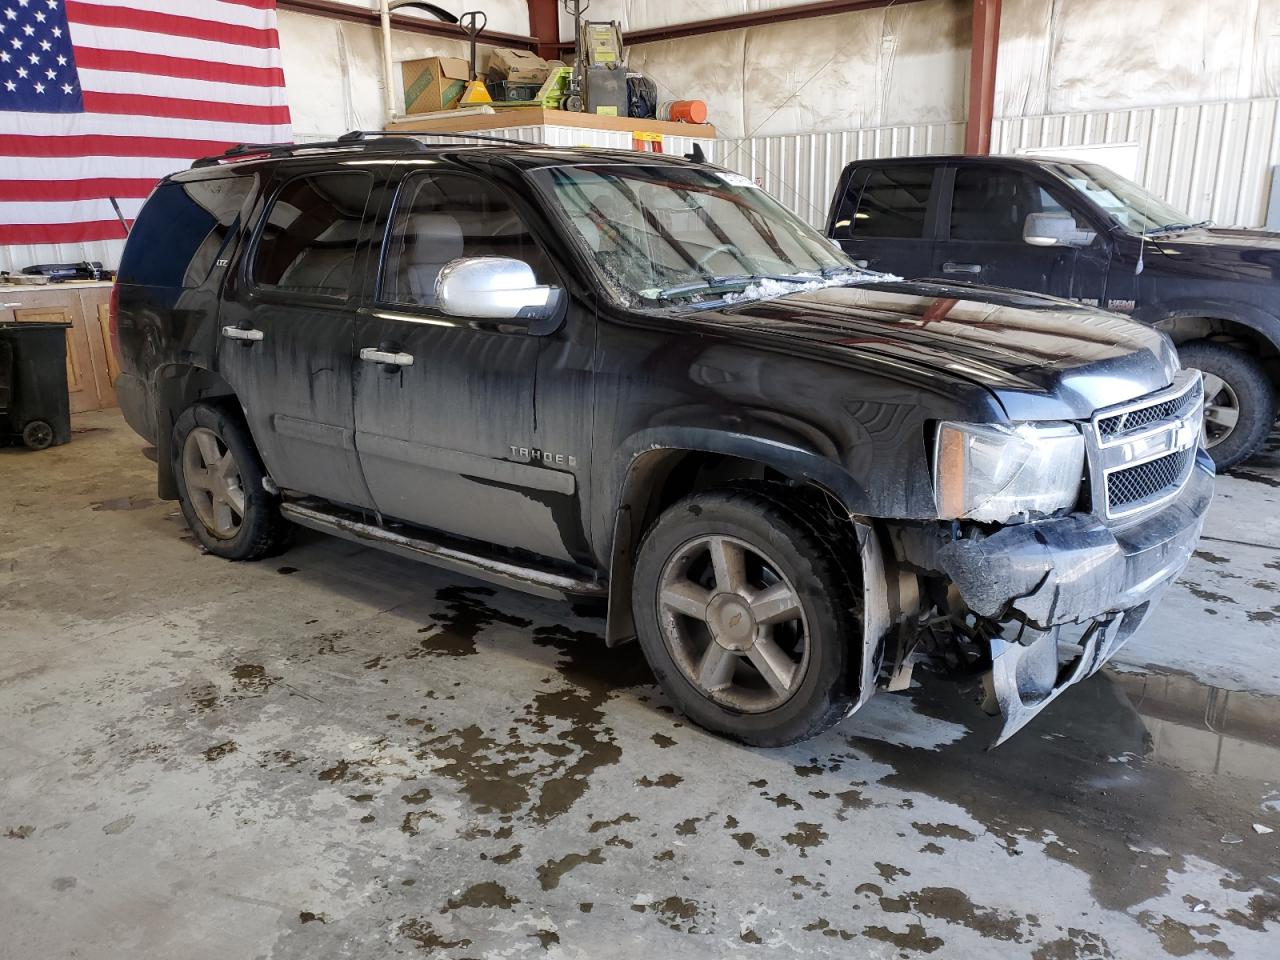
(357, 135)
(384, 139)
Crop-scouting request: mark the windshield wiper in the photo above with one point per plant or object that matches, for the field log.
(741, 280)
(1178, 227)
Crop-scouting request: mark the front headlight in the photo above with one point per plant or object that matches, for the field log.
(995, 473)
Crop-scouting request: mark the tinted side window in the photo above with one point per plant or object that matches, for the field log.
(308, 243)
(890, 203)
(441, 217)
(989, 204)
(182, 230)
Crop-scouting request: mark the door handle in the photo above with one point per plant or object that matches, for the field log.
(238, 333)
(952, 267)
(374, 355)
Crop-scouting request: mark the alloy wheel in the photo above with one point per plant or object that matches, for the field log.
(733, 623)
(213, 483)
(1221, 410)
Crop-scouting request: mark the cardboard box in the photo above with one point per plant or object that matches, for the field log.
(517, 66)
(435, 83)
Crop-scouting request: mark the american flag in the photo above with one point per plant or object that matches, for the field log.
(100, 99)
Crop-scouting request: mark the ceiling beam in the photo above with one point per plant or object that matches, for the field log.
(741, 21)
(335, 10)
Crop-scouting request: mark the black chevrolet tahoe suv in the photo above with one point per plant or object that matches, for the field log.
(1083, 232)
(629, 377)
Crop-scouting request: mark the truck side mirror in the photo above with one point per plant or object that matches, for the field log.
(1055, 229)
(494, 288)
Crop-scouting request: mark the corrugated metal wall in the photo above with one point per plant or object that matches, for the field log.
(1212, 160)
(801, 170)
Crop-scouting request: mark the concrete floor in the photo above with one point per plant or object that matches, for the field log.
(337, 753)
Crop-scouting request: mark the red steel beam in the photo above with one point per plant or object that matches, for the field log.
(982, 76)
(544, 27)
(345, 11)
(740, 21)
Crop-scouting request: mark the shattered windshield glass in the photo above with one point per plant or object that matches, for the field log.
(667, 236)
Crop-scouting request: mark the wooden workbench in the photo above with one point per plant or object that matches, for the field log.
(91, 364)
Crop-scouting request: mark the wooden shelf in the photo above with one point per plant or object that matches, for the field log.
(536, 117)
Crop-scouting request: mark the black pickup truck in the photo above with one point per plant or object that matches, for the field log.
(1082, 232)
(621, 376)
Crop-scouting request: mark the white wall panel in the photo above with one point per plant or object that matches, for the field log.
(1068, 56)
(870, 68)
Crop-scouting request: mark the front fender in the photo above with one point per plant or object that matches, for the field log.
(785, 451)
(1167, 313)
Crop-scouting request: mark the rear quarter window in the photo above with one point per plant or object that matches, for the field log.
(311, 233)
(182, 231)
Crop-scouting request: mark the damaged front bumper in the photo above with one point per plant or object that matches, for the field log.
(1043, 582)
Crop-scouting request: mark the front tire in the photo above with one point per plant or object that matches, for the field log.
(220, 486)
(1240, 400)
(747, 614)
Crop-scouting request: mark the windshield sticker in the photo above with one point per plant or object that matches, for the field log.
(738, 180)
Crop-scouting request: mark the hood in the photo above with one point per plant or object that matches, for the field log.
(1221, 254)
(1043, 358)
(1221, 237)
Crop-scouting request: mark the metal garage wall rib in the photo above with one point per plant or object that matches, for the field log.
(1212, 159)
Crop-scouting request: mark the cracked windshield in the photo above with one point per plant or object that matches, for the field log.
(675, 237)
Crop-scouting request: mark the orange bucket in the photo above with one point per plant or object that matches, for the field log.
(683, 111)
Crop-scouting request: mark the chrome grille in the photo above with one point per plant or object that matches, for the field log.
(1133, 420)
(1142, 452)
(1147, 481)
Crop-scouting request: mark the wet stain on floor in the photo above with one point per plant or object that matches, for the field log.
(124, 503)
(1110, 777)
(404, 763)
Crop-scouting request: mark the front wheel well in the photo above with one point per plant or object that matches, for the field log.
(1233, 333)
(655, 480)
(177, 387)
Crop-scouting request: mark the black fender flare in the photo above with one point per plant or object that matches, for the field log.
(174, 387)
(1265, 325)
(631, 472)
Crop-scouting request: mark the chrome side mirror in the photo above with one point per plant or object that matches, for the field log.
(494, 288)
(1052, 229)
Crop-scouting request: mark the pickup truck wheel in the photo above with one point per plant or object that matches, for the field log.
(745, 615)
(220, 486)
(1239, 400)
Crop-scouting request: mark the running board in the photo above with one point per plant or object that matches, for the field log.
(543, 583)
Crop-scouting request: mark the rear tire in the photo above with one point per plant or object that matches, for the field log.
(767, 659)
(1240, 400)
(219, 477)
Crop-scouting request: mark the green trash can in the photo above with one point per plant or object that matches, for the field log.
(34, 406)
